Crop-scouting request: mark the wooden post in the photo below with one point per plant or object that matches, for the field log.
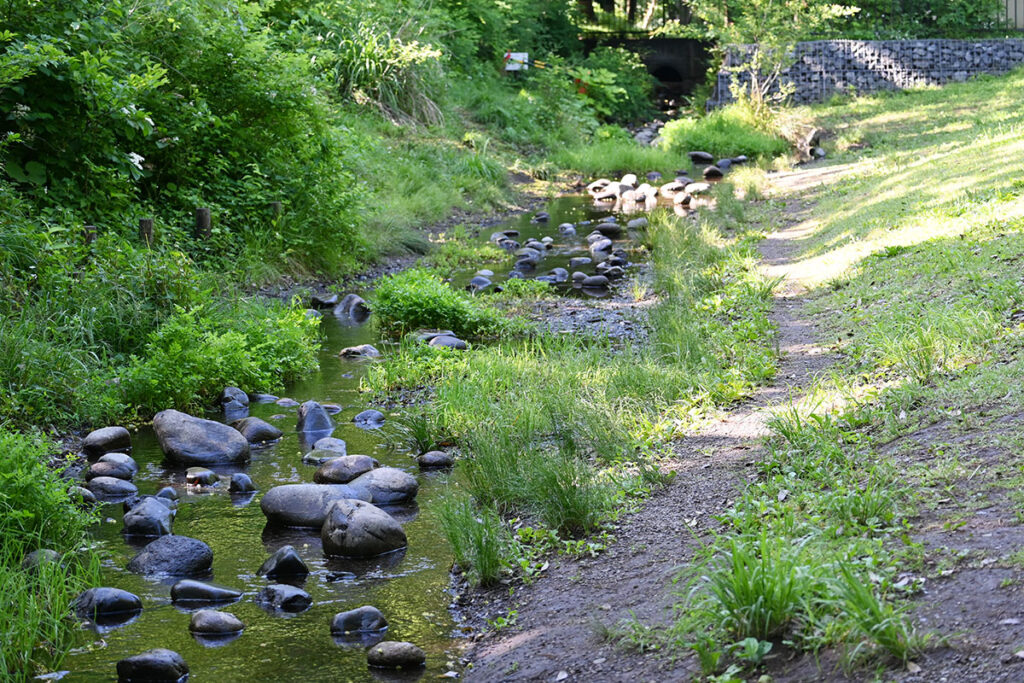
(202, 223)
(89, 234)
(146, 231)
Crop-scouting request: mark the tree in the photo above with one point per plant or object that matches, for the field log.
(756, 39)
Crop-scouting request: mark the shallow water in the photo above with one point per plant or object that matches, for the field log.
(409, 587)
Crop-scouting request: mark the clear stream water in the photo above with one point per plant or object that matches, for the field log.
(409, 587)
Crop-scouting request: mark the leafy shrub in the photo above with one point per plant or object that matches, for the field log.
(194, 354)
(615, 82)
(729, 131)
(417, 298)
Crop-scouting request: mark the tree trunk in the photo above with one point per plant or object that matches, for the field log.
(607, 5)
(587, 9)
(631, 11)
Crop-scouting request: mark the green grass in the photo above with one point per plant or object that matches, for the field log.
(616, 157)
(567, 465)
(36, 513)
(725, 132)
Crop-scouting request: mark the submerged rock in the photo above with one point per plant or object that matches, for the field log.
(190, 590)
(343, 469)
(188, 440)
(330, 443)
(104, 601)
(284, 563)
(241, 483)
(306, 505)
(369, 419)
(213, 623)
(387, 486)
(201, 476)
(352, 307)
(354, 528)
(394, 654)
(363, 619)
(257, 431)
(361, 351)
(281, 597)
(313, 418)
(173, 556)
(152, 666)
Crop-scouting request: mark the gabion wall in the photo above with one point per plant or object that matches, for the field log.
(826, 67)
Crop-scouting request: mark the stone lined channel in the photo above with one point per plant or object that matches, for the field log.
(410, 587)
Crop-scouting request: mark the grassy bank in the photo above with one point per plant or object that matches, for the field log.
(562, 466)
(911, 254)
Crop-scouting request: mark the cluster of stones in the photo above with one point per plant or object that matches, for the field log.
(649, 134)
(824, 68)
(345, 504)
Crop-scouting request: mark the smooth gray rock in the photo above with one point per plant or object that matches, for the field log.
(363, 619)
(370, 419)
(286, 402)
(319, 456)
(257, 431)
(173, 556)
(157, 665)
(610, 230)
(387, 486)
(361, 351)
(433, 460)
(37, 558)
(697, 188)
(81, 495)
(323, 301)
(262, 398)
(111, 487)
(637, 223)
(354, 528)
(478, 283)
(149, 517)
(213, 623)
(701, 158)
(188, 440)
(241, 483)
(167, 492)
(560, 274)
(578, 261)
(112, 468)
(343, 469)
(352, 307)
(392, 654)
(330, 443)
(233, 398)
(313, 418)
(306, 505)
(713, 173)
(449, 342)
(596, 281)
(102, 601)
(284, 563)
(281, 597)
(105, 440)
(190, 590)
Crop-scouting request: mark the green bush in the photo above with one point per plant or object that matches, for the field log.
(615, 82)
(255, 345)
(726, 132)
(417, 298)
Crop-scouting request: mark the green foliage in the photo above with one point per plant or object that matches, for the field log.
(36, 512)
(477, 537)
(881, 20)
(615, 82)
(254, 345)
(728, 131)
(417, 298)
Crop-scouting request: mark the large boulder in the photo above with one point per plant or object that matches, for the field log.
(104, 601)
(149, 517)
(105, 440)
(281, 597)
(210, 622)
(188, 440)
(313, 418)
(393, 654)
(387, 486)
(363, 619)
(306, 505)
(355, 528)
(284, 563)
(256, 430)
(344, 468)
(352, 307)
(152, 666)
(173, 556)
(190, 590)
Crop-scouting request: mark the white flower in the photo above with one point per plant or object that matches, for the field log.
(136, 160)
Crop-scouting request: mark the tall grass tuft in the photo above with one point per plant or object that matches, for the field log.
(876, 620)
(477, 537)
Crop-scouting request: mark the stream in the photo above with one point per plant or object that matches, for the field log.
(410, 587)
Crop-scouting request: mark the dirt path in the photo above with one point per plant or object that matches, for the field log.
(560, 618)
